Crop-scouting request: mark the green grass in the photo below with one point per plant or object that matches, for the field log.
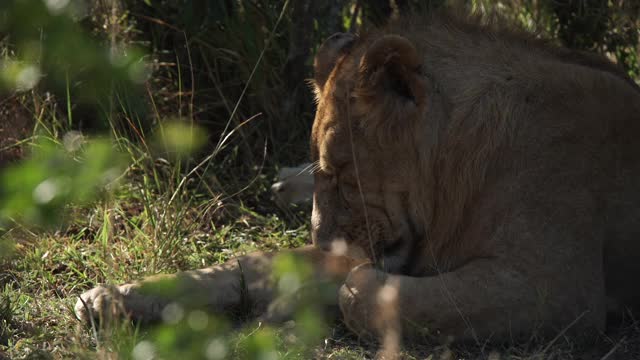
(133, 233)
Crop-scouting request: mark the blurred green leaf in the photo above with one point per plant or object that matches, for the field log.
(261, 345)
(288, 265)
(53, 48)
(311, 325)
(37, 189)
(177, 139)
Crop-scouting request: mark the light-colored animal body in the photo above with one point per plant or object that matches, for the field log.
(294, 185)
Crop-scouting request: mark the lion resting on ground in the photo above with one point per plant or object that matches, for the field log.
(472, 181)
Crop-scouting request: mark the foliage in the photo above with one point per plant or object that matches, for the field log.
(605, 26)
(38, 188)
(49, 45)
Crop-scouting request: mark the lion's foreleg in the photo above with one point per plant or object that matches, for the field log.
(482, 300)
(241, 282)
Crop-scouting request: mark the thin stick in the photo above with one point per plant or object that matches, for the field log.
(613, 349)
(564, 331)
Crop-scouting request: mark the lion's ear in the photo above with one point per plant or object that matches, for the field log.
(331, 49)
(392, 65)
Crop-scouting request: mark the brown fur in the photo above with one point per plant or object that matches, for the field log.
(486, 179)
(501, 154)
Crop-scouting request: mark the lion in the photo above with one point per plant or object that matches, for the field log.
(478, 182)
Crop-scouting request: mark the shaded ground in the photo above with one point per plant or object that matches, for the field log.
(15, 123)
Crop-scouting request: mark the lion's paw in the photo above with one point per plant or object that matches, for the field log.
(358, 300)
(97, 303)
(108, 302)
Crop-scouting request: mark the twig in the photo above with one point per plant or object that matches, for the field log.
(613, 349)
(94, 329)
(575, 321)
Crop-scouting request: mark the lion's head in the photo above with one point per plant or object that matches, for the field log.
(372, 99)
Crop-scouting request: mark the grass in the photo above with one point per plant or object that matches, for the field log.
(131, 234)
